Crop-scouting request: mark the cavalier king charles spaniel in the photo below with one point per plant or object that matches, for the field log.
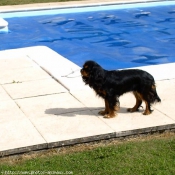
(110, 85)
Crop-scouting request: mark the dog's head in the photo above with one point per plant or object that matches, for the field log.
(92, 73)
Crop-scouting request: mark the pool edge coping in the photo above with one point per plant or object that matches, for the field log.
(73, 4)
(94, 138)
(69, 76)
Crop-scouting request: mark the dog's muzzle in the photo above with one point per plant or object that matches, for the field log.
(83, 73)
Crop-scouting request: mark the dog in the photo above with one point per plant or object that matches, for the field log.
(110, 85)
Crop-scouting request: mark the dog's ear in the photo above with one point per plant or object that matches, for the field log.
(97, 75)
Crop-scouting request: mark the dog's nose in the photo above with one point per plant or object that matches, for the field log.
(81, 70)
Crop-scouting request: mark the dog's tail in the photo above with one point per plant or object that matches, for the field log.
(157, 99)
(154, 96)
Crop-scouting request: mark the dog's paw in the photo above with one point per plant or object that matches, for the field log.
(102, 112)
(109, 116)
(147, 112)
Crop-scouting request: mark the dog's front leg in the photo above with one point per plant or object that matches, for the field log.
(106, 111)
(110, 114)
(112, 108)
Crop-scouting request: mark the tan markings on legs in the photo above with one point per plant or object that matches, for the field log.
(117, 108)
(147, 110)
(111, 113)
(106, 111)
(138, 102)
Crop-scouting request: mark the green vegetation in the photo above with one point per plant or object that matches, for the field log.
(141, 157)
(18, 2)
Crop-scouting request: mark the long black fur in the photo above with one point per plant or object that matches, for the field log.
(110, 85)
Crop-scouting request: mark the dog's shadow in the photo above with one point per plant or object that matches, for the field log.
(72, 112)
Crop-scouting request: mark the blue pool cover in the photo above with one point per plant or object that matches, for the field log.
(120, 38)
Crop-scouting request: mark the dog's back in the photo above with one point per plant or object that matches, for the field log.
(129, 80)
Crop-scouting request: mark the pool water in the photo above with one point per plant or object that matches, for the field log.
(121, 38)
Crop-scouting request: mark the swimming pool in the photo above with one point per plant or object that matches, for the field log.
(114, 36)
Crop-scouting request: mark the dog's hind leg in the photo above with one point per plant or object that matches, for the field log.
(153, 95)
(148, 108)
(138, 102)
(150, 98)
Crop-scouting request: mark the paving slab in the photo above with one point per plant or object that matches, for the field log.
(61, 117)
(89, 98)
(3, 94)
(79, 125)
(20, 136)
(9, 111)
(22, 75)
(52, 62)
(16, 130)
(53, 104)
(33, 88)
(125, 121)
(15, 63)
(166, 89)
(167, 94)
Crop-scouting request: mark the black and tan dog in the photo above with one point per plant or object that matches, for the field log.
(110, 85)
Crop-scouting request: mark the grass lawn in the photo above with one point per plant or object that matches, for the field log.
(17, 2)
(153, 156)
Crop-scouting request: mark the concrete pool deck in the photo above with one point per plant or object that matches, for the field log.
(44, 103)
(38, 111)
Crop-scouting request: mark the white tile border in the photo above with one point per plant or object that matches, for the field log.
(67, 72)
(81, 4)
(25, 10)
(3, 25)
